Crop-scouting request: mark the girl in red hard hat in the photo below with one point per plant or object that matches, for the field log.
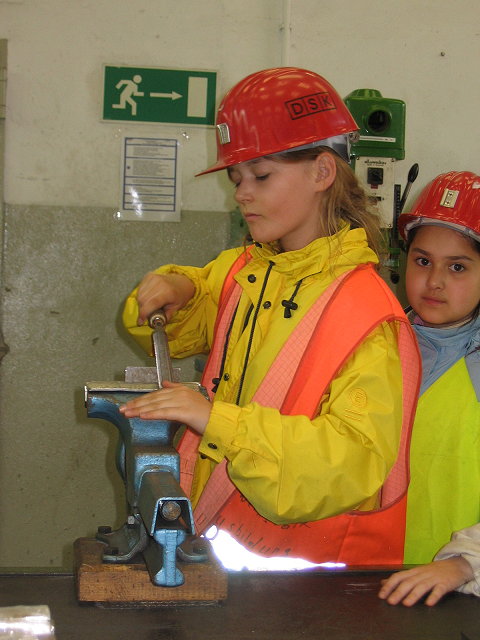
(443, 287)
(313, 369)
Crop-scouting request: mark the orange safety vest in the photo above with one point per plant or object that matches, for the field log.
(295, 383)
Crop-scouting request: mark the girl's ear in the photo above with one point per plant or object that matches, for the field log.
(325, 171)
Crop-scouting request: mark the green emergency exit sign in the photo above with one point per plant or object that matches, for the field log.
(153, 94)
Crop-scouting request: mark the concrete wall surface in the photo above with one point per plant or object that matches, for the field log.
(63, 289)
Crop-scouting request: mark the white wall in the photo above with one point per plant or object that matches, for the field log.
(425, 52)
(60, 152)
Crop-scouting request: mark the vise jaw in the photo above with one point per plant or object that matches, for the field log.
(160, 517)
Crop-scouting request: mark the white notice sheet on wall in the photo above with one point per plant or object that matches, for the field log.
(150, 180)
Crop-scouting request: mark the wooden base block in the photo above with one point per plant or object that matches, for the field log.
(130, 584)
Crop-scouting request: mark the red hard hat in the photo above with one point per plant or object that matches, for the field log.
(278, 110)
(450, 200)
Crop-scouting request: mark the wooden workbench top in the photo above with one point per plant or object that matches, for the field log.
(282, 606)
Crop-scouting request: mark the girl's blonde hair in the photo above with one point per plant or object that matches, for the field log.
(345, 200)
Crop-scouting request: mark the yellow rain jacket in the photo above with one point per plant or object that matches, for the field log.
(278, 461)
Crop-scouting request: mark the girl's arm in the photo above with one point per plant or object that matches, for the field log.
(291, 468)
(190, 328)
(294, 469)
(466, 543)
(456, 567)
(434, 580)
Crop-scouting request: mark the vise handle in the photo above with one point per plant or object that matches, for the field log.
(157, 322)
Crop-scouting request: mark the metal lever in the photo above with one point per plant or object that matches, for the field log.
(157, 322)
(412, 176)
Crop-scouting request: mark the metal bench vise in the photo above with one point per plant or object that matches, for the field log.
(160, 522)
(160, 514)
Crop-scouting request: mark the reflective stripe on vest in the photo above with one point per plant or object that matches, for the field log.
(374, 537)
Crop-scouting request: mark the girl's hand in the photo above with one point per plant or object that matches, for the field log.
(170, 292)
(173, 402)
(436, 578)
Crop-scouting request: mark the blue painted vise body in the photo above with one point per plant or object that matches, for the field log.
(160, 514)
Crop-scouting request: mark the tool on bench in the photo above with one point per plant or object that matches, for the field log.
(160, 517)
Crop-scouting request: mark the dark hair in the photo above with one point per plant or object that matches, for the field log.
(413, 232)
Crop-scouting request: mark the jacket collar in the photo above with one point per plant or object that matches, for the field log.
(344, 250)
